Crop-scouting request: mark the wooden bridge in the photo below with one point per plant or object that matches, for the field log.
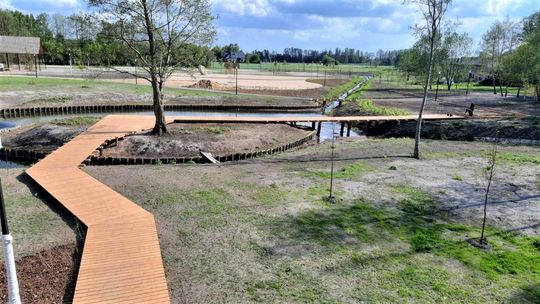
(121, 259)
(316, 121)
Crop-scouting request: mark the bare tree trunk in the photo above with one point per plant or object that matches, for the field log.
(160, 126)
(494, 84)
(421, 112)
(491, 168)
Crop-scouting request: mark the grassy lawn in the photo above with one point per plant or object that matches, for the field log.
(29, 83)
(34, 224)
(335, 92)
(304, 67)
(262, 231)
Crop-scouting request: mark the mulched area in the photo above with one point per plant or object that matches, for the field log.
(46, 277)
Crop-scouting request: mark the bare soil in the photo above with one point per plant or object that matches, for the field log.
(42, 138)
(487, 104)
(187, 140)
(526, 128)
(46, 277)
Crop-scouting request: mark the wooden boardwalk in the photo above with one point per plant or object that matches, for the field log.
(285, 118)
(121, 260)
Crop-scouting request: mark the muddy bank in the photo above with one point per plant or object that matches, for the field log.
(41, 138)
(468, 130)
(187, 140)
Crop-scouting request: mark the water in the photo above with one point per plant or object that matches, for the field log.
(326, 128)
(9, 165)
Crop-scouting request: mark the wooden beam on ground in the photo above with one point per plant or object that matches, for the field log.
(209, 157)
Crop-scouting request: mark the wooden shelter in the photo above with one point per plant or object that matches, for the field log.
(13, 47)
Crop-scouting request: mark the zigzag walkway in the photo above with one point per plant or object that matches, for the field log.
(121, 260)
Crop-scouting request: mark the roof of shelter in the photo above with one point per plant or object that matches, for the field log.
(19, 45)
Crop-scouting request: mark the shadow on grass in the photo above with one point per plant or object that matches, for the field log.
(530, 293)
(417, 224)
(70, 220)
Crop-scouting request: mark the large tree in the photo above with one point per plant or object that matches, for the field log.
(432, 12)
(152, 31)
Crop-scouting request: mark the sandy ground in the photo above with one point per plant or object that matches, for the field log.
(187, 140)
(246, 80)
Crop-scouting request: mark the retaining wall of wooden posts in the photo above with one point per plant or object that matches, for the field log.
(21, 155)
(55, 110)
(97, 160)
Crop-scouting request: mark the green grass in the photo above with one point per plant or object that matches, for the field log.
(56, 100)
(248, 239)
(457, 178)
(218, 130)
(347, 171)
(518, 158)
(76, 121)
(312, 68)
(371, 108)
(335, 92)
(9, 83)
(361, 91)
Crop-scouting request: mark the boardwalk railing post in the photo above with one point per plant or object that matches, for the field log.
(9, 257)
(319, 131)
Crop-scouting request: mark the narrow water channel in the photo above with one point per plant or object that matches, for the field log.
(326, 128)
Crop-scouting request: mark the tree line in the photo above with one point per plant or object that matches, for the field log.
(84, 40)
(298, 55)
(507, 56)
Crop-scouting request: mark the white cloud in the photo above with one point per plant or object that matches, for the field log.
(69, 3)
(259, 8)
(6, 4)
(500, 7)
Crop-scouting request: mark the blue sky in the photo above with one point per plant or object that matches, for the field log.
(318, 24)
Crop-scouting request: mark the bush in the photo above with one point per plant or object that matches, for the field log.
(254, 58)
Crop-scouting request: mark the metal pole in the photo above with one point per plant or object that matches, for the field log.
(236, 75)
(468, 82)
(437, 90)
(35, 64)
(331, 197)
(9, 257)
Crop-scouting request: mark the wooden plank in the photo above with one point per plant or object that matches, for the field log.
(209, 157)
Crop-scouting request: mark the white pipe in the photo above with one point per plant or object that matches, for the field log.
(9, 257)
